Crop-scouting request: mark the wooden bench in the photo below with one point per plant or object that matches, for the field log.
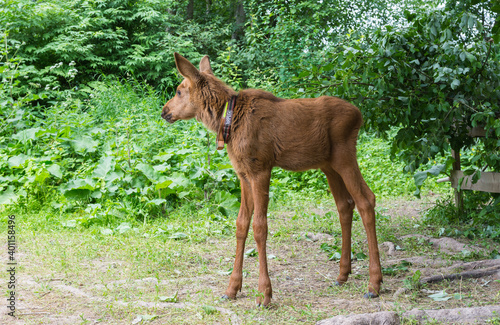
(487, 182)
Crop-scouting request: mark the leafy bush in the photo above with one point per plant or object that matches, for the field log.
(69, 43)
(435, 77)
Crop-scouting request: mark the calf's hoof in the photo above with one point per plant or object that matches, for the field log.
(370, 295)
(226, 297)
(263, 301)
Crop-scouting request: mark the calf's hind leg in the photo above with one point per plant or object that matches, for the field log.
(346, 166)
(345, 207)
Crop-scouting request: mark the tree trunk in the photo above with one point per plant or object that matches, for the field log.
(190, 10)
(239, 22)
(209, 4)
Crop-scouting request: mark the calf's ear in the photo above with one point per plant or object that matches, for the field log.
(205, 65)
(186, 68)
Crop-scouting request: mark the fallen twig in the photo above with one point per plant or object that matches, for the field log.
(464, 275)
(477, 264)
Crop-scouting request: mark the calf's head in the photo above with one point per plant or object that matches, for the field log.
(188, 100)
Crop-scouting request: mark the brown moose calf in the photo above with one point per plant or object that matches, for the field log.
(263, 131)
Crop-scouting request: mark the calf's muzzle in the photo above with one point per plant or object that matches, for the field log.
(166, 115)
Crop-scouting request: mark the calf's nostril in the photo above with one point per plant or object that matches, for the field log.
(164, 114)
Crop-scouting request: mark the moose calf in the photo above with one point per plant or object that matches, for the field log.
(263, 131)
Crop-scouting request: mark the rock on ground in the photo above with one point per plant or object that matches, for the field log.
(456, 315)
(476, 315)
(449, 245)
(380, 318)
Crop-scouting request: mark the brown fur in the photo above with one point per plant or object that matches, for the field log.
(295, 134)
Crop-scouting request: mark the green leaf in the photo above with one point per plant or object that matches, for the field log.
(163, 184)
(124, 227)
(420, 177)
(148, 171)
(173, 298)
(17, 161)
(496, 37)
(106, 231)
(209, 310)
(335, 256)
(252, 252)
(440, 296)
(178, 236)
(455, 83)
(78, 188)
(361, 256)
(85, 144)
(413, 282)
(112, 176)
(228, 272)
(8, 196)
(163, 156)
(157, 201)
(179, 181)
(433, 31)
(228, 203)
(41, 176)
(25, 135)
(161, 168)
(104, 167)
(69, 223)
(470, 22)
(55, 170)
(328, 248)
(403, 266)
(142, 318)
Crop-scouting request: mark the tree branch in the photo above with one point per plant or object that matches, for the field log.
(463, 275)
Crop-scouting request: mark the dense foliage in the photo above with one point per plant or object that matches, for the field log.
(82, 83)
(435, 77)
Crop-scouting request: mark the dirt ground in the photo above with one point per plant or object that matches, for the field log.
(103, 291)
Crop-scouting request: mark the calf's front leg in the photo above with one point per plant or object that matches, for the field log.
(242, 225)
(260, 191)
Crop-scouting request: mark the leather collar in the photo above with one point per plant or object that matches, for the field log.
(225, 123)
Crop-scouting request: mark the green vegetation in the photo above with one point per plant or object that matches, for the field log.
(111, 158)
(82, 84)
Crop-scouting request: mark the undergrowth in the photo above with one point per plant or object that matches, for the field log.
(476, 219)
